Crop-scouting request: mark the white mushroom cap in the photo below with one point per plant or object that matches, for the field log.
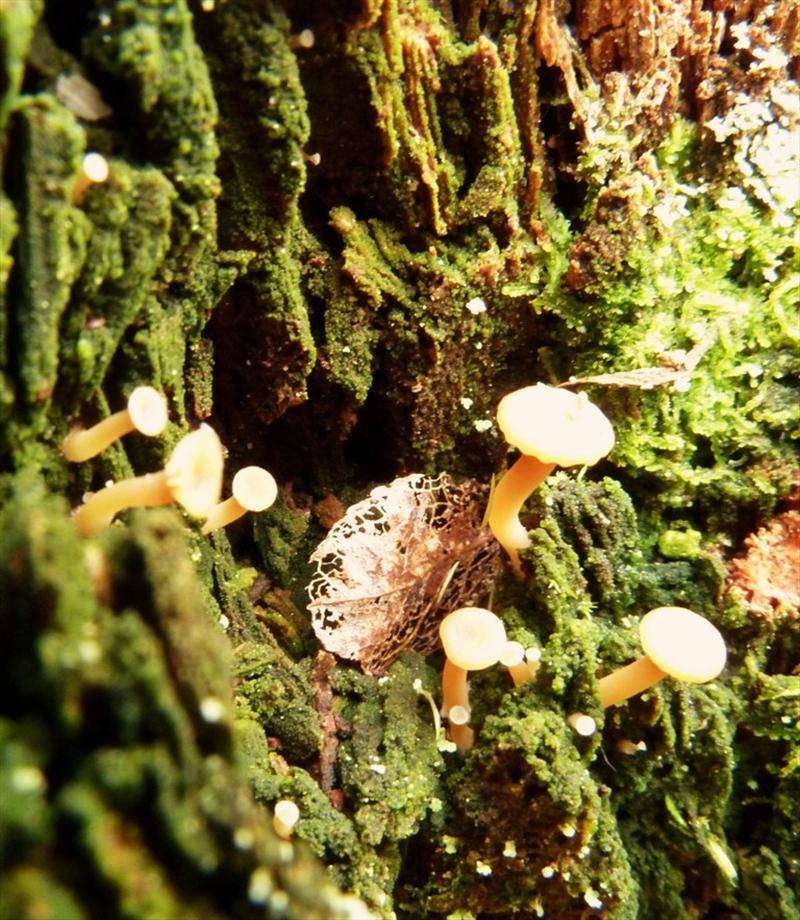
(683, 644)
(473, 638)
(95, 167)
(148, 410)
(194, 471)
(555, 425)
(254, 488)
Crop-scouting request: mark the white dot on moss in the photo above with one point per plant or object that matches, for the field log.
(211, 709)
(510, 850)
(591, 899)
(476, 306)
(483, 868)
(28, 779)
(260, 886)
(243, 838)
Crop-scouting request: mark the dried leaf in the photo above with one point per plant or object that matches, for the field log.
(645, 378)
(396, 563)
(676, 369)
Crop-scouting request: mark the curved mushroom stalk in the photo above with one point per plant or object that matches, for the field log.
(550, 427)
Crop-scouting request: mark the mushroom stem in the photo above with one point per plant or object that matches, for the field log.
(628, 681)
(509, 495)
(455, 691)
(81, 444)
(461, 734)
(223, 514)
(140, 492)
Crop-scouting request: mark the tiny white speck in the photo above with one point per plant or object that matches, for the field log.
(476, 306)
(482, 424)
(378, 768)
(591, 899)
(466, 402)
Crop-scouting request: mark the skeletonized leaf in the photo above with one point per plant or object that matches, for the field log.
(645, 378)
(396, 563)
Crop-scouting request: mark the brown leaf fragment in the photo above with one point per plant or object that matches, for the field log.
(645, 378)
(396, 563)
(676, 368)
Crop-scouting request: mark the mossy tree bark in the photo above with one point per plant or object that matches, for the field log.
(339, 232)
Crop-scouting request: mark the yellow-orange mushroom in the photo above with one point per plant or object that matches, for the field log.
(677, 643)
(285, 815)
(513, 658)
(253, 488)
(192, 477)
(94, 169)
(473, 639)
(146, 412)
(550, 427)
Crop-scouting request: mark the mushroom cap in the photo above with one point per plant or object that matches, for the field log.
(254, 488)
(555, 425)
(287, 812)
(95, 166)
(683, 644)
(473, 638)
(148, 410)
(513, 654)
(194, 471)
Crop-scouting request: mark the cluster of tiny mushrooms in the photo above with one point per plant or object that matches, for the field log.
(553, 427)
(192, 476)
(548, 425)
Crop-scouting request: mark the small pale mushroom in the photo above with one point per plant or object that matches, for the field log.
(582, 724)
(678, 643)
(94, 169)
(146, 412)
(253, 488)
(286, 814)
(550, 427)
(513, 658)
(473, 639)
(192, 477)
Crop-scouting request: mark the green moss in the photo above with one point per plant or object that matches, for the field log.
(278, 693)
(116, 692)
(689, 268)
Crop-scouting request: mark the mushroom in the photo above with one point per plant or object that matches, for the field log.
(254, 489)
(550, 427)
(94, 169)
(473, 639)
(513, 658)
(582, 724)
(192, 477)
(146, 412)
(677, 643)
(285, 815)
(461, 734)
